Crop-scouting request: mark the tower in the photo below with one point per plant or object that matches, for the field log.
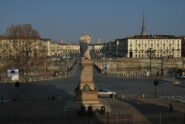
(143, 32)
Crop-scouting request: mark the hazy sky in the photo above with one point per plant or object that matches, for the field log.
(106, 19)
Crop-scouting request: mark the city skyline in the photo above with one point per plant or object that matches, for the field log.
(66, 20)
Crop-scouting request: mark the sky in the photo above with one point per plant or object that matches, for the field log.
(66, 20)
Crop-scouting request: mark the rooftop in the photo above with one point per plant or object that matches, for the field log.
(140, 36)
(153, 37)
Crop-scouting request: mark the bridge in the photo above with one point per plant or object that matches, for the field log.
(48, 97)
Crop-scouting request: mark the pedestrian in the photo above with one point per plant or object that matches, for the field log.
(171, 107)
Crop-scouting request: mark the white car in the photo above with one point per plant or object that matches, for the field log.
(106, 93)
(176, 82)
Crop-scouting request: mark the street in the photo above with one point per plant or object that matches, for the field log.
(47, 96)
(66, 86)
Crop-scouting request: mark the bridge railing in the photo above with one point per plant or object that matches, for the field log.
(150, 118)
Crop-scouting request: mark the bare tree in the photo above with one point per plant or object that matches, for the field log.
(25, 49)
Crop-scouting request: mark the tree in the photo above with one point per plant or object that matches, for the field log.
(25, 49)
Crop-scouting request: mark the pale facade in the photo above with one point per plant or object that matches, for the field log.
(52, 48)
(97, 48)
(61, 49)
(142, 46)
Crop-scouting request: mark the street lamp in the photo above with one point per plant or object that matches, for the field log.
(17, 84)
(117, 64)
(156, 83)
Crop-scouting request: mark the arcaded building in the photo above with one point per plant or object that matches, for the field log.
(144, 46)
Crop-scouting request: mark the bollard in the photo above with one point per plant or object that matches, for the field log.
(113, 96)
(143, 95)
(122, 97)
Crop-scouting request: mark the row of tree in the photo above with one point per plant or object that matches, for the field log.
(24, 50)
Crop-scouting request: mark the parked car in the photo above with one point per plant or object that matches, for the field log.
(176, 82)
(106, 93)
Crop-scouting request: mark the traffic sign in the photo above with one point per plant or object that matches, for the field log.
(14, 74)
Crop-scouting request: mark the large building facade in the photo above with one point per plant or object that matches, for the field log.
(144, 46)
(62, 50)
(97, 50)
(53, 49)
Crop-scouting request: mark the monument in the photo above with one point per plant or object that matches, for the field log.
(86, 92)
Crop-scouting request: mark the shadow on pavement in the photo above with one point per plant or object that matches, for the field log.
(34, 99)
(145, 107)
(31, 91)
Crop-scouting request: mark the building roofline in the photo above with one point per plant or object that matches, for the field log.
(140, 36)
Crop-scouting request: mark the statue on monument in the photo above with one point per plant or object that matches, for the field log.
(86, 91)
(85, 39)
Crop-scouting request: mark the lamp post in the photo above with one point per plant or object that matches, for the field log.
(162, 58)
(17, 84)
(156, 83)
(117, 64)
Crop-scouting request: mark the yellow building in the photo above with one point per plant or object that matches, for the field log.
(145, 45)
(142, 46)
(58, 49)
(97, 49)
(52, 48)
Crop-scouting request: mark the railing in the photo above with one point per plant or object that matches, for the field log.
(129, 75)
(36, 78)
(166, 118)
(69, 118)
